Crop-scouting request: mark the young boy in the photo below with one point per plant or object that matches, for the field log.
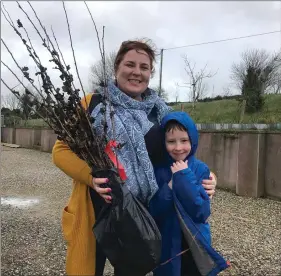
(181, 206)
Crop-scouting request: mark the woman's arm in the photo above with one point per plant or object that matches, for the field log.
(66, 160)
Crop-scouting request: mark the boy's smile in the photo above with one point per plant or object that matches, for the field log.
(177, 144)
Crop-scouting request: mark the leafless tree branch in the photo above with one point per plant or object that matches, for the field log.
(263, 62)
(196, 78)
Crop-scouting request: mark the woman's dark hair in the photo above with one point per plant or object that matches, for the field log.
(145, 45)
(173, 125)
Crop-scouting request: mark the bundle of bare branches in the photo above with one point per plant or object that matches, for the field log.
(60, 107)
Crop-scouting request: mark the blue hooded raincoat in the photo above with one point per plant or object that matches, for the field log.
(184, 210)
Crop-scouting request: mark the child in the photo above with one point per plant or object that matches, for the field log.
(181, 206)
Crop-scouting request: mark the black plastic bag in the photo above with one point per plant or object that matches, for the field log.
(125, 230)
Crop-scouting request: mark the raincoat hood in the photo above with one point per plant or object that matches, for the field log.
(184, 119)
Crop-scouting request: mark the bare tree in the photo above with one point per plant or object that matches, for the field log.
(196, 79)
(10, 101)
(226, 91)
(98, 68)
(277, 85)
(275, 82)
(161, 93)
(261, 61)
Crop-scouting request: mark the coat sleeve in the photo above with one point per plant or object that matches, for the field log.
(162, 202)
(66, 160)
(191, 194)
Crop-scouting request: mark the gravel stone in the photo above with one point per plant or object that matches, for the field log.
(246, 231)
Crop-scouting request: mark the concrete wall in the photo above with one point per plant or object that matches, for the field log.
(8, 135)
(48, 139)
(219, 151)
(272, 173)
(247, 162)
(28, 138)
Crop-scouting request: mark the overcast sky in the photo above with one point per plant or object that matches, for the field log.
(168, 24)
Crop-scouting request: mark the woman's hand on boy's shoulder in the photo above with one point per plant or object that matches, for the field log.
(179, 165)
(210, 185)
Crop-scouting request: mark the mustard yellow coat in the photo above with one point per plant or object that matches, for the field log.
(78, 216)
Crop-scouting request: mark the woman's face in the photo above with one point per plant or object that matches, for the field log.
(133, 73)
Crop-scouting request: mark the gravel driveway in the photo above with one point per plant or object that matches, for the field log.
(33, 193)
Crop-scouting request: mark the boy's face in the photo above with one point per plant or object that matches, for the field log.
(177, 144)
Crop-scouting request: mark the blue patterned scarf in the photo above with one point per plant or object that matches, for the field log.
(131, 125)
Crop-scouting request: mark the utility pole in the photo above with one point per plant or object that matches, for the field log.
(160, 78)
(193, 90)
(280, 27)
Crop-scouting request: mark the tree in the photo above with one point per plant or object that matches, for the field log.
(10, 101)
(196, 79)
(226, 91)
(275, 86)
(162, 94)
(252, 90)
(27, 101)
(97, 70)
(266, 65)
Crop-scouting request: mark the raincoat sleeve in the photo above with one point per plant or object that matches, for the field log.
(66, 160)
(162, 202)
(189, 191)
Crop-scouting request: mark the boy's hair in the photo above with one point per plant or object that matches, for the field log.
(174, 124)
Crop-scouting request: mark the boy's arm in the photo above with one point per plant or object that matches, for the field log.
(191, 194)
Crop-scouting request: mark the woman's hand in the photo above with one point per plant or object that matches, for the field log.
(210, 185)
(102, 191)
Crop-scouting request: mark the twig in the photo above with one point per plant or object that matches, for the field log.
(29, 79)
(18, 97)
(34, 55)
(54, 54)
(44, 29)
(105, 84)
(74, 54)
(10, 22)
(66, 66)
(32, 93)
(98, 36)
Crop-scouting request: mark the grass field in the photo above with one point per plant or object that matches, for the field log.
(229, 111)
(223, 111)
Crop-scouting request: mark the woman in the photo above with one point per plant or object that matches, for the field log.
(138, 111)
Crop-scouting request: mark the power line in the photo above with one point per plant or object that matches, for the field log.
(222, 40)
